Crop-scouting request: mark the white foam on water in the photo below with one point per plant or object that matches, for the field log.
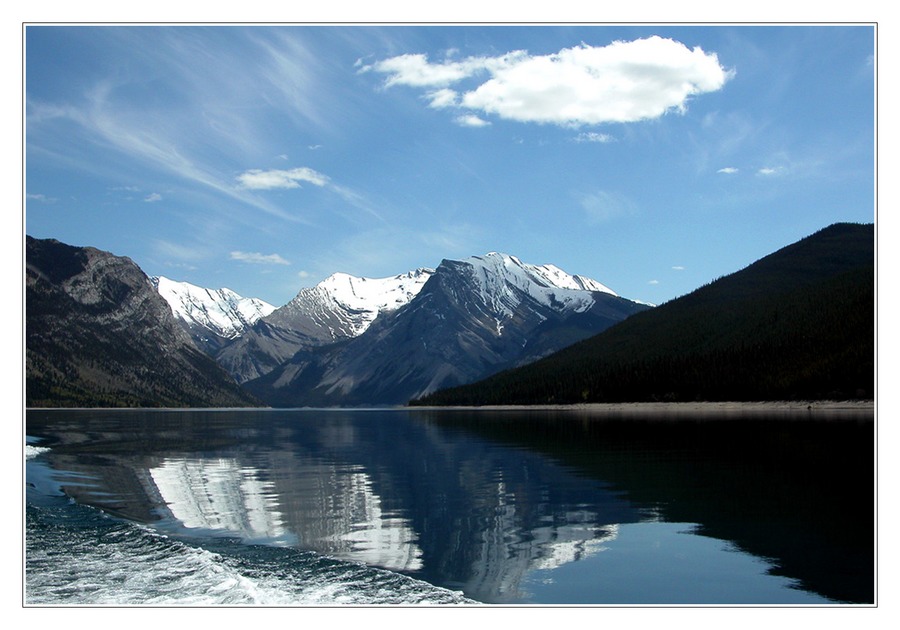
(117, 563)
(34, 451)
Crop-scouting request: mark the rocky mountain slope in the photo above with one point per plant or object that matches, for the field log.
(337, 309)
(98, 334)
(471, 318)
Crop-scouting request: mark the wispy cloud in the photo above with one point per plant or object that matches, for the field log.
(153, 197)
(39, 197)
(206, 122)
(257, 179)
(593, 136)
(678, 268)
(583, 85)
(167, 250)
(256, 258)
(278, 179)
(768, 171)
(728, 170)
(602, 206)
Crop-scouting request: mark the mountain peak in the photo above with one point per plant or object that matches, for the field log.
(344, 305)
(503, 279)
(220, 311)
(373, 294)
(546, 275)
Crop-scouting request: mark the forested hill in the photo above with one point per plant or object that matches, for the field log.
(798, 324)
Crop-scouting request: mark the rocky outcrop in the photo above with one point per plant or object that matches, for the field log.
(98, 334)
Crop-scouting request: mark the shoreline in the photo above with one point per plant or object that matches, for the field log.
(733, 408)
(812, 407)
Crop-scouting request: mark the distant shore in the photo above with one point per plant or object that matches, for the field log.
(817, 408)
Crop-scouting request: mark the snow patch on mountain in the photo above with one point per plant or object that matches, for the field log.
(499, 275)
(347, 305)
(375, 294)
(222, 311)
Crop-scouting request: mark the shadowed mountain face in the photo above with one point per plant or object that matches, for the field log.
(797, 324)
(471, 318)
(337, 309)
(98, 334)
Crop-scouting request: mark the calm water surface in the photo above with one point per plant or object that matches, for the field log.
(324, 507)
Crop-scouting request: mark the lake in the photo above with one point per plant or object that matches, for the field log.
(410, 506)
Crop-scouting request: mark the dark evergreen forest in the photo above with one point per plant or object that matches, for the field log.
(798, 324)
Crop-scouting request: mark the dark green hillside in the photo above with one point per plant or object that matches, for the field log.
(797, 324)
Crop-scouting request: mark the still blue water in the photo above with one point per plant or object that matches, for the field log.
(328, 507)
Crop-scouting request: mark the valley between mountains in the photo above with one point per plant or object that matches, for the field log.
(100, 332)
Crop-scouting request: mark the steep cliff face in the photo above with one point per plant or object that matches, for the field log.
(99, 334)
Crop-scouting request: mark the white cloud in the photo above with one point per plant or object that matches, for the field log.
(653, 282)
(471, 120)
(583, 85)
(153, 197)
(416, 71)
(593, 136)
(303, 274)
(678, 268)
(767, 170)
(728, 170)
(39, 197)
(444, 97)
(258, 259)
(257, 179)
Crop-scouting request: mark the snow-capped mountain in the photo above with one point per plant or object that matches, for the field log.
(339, 308)
(472, 317)
(212, 316)
(503, 281)
(346, 305)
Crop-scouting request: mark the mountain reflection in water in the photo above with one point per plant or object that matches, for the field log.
(484, 501)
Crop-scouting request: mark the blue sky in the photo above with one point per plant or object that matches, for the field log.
(653, 159)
